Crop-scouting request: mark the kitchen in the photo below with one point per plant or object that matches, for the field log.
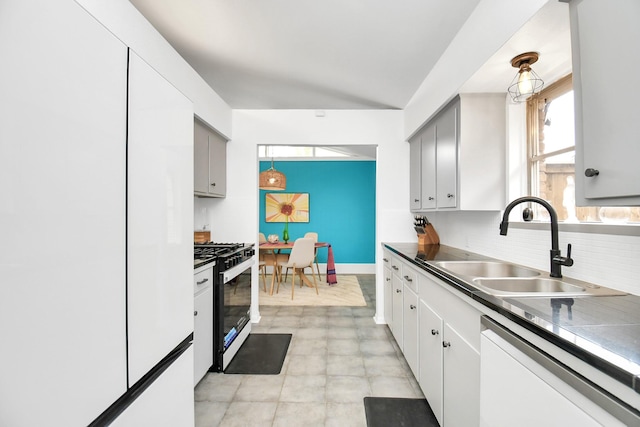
(388, 129)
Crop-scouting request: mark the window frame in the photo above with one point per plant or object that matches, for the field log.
(553, 91)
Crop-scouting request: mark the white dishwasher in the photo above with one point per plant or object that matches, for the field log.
(521, 385)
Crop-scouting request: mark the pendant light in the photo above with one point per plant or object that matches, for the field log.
(272, 180)
(526, 82)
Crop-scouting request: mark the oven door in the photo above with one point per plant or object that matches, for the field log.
(232, 303)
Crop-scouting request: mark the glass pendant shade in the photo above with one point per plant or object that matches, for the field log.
(526, 82)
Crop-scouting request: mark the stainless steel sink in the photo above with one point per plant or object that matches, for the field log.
(474, 269)
(538, 286)
(504, 279)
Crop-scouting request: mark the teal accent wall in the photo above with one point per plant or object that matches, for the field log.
(342, 206)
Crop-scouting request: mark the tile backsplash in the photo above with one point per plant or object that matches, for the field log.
(608, 260)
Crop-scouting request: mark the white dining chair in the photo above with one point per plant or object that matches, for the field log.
(313, 235)
(301, 257)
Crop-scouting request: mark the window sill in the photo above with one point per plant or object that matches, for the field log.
(592, 228)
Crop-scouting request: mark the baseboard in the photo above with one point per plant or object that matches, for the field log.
(346, 269)
(351, 268)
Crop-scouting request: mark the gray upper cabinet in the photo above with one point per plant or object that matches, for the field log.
(428, 167)
(462, 156)
(606, 53)
(415, 177)
(209, 162)
(447, 157)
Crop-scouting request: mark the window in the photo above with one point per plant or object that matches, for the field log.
(551, 158)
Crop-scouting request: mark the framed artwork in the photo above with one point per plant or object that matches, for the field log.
(287, 207)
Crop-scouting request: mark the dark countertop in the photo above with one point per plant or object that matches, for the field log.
(604, 331)
(202, 262)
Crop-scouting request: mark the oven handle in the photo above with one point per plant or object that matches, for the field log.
(236, 270)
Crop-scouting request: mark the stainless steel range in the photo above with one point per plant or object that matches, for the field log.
(231, 296)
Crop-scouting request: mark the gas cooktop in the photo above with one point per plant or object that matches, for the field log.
(229, 254)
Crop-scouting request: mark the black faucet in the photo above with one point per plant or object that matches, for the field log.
(557, 260)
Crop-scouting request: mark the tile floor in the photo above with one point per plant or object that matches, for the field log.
(337, 356)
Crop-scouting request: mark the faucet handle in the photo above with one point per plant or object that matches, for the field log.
(567, 261)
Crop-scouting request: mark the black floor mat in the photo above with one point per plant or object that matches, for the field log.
(391, 411)
(260, 354)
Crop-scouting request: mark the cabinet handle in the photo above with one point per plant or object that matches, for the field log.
(398, 291)
(434, 332)
(449, 196)
(412, 307)
(388, 279)
(394, 267)
(195, 313)
(385, 260)
(213, 184)
(590, 172)
(202, 281)
(431, 198)
(416, 200)
(446, 344)
(408, 279)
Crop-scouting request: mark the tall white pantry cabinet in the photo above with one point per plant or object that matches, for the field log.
(66, 335)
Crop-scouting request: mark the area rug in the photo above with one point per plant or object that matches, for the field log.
(391, 411)
(260, 354)
(346, 292)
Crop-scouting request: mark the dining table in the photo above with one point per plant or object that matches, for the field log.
(276, 247)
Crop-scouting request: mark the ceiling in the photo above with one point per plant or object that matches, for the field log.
(337, 54)
(304, 54)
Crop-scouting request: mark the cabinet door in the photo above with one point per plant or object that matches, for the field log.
(447, 155)
(388, 296)
(429, 168)
(217, 165)
(415, 173)
(159, 218)
(397, 309)
(168, 402)
(200, 159)
(202, 333)
(62, 184)
(461, 392)
(410, 329)
(607, 110)
(431, 328)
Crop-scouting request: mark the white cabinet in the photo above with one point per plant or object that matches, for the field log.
(397, 323)
(388, 287)
(210, 162)
(168, 402)
(606, 107)
(159, 218)
(431, 328)
(462, 155)
(62, 190)
(410, 328)
(202, 334)
(515, 389)
(202, 323)
(449, 359)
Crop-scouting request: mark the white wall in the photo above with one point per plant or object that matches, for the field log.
(236, 216)
(126, 23)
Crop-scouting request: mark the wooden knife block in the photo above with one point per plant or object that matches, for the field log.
(430, 236)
